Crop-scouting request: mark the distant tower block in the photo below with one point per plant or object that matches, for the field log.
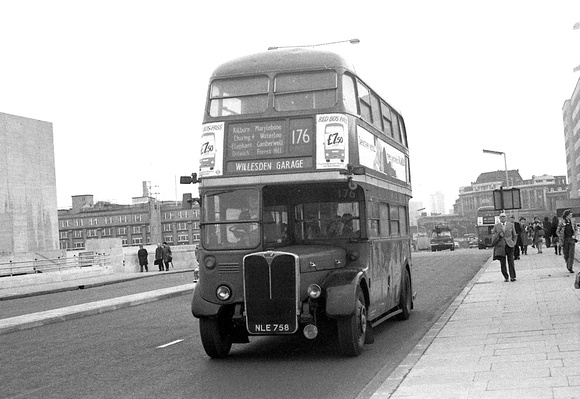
(28, 206)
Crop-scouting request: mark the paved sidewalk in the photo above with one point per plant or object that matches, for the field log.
(500, 340)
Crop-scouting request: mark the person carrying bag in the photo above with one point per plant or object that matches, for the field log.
(567, 233)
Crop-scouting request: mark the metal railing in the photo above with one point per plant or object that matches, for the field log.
(47, 265)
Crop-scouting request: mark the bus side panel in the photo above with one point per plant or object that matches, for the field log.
(379, 271)
(393, 255)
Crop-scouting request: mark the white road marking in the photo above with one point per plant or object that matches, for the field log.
(170, 343)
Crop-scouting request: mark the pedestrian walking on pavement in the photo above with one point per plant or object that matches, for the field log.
(503, 241)
(554, 235)
(523, 237)
(538, 234)
(547, 229)
(567, 233)
(159, 257)
(167, 257)
(518, 229)
(142, 256)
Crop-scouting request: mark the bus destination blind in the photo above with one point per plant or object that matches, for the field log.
(270, 146)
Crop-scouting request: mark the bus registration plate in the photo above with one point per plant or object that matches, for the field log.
(273, 329)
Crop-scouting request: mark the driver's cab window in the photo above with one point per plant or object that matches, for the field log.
(275, 225)
(235, 215)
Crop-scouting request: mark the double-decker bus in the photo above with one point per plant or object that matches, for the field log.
(304, 203)
(487, 217)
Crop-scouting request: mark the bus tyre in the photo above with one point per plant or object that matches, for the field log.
(352, 329)
(215, 337)
(406, 298)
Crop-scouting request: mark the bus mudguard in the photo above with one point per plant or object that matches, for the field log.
(200, 307)
(340, 290)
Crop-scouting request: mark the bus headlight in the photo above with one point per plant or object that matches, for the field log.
(314, 291)
(223, 292)
(209, 262)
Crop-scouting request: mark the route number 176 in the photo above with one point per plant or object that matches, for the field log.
(345, 193)
(300, 136)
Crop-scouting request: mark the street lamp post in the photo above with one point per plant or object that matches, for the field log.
(576, 26)
(351, 41)
(507, 181)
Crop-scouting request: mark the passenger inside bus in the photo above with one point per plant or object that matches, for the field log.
(344, 227)
(275, 225)
(313, 231)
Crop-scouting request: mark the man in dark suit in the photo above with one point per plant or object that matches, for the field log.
(503, 240)
(518, 228)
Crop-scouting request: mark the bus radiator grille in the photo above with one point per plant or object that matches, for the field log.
(270, 294)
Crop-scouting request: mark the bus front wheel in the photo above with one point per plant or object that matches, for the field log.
(215, 337)
(352, 329)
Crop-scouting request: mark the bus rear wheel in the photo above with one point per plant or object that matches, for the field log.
(352, 329)
(406, 298)
(215, 337)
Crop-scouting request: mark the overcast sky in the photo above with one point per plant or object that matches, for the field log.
(123, 82)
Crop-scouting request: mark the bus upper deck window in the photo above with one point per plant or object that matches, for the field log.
(305, 90)
(396, 131)
(386, 114)
(349, 94)
(364, 102)
(239, 96)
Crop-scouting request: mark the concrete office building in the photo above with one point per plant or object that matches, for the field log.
(438, 203)
(28, 206)
(571, 120)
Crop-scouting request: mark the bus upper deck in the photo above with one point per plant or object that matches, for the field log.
(298, 111)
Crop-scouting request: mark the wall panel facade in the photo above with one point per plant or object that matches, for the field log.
(28, 205)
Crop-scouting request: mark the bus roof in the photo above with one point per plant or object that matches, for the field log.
(282, 60)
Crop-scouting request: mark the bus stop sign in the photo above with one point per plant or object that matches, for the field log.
(506, 199)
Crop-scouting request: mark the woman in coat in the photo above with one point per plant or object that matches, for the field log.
(167, 257)
(159, 257)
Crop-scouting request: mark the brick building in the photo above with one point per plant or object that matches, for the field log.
(146, 221)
